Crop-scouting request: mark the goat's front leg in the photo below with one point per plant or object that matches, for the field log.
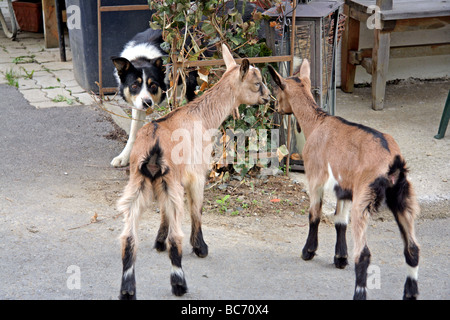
(315, 212)
(138, 117)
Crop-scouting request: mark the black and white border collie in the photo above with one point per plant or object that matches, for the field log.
(143, 82)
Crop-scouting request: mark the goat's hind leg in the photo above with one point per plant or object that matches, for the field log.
(315, 212)
(163, 231)
(194, 191)
(361, 250)
(131, 204)
(402, 201)
(170, 194)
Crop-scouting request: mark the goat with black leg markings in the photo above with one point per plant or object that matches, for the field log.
(363, 166)
(159, 168)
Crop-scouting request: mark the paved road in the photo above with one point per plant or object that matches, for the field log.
(55, 176)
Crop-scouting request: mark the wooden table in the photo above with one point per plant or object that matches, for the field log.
(391, 16)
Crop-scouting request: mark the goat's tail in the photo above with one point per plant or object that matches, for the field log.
(397, 171)
(399, 193)
(153, 165)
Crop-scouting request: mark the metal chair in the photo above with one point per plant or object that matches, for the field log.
(444, 119)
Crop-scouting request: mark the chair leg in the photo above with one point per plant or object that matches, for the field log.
(444, 119)
(350, 41)
(380, 63)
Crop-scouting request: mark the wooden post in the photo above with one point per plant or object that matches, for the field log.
(99, 40)
(380, 60)
(291, 71)
(350, 41)
(50, 24)
(59, 20)
(380, 64)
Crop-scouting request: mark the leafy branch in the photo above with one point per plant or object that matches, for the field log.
(195, 30)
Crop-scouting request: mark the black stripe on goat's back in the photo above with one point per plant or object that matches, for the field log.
(296, 79)
(167, 116)
(152, 167)
(376, 134)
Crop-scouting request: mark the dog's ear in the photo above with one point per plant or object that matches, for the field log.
(158, 62)
(279, 81)
(122, 65)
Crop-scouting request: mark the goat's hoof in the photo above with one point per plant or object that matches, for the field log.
(179, 288)
(411, 291)
(308, 255)
(160, 246)
(340, 262)
(202, 251)
(127, 295)
(360, 293)
(178, 283)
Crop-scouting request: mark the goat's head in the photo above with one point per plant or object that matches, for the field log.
(285, 88)
(247, 81)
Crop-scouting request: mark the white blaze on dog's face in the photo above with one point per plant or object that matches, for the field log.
(141, 82)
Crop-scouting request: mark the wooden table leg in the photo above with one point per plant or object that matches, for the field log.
(380, 63)
(50, 24)
(350, 41)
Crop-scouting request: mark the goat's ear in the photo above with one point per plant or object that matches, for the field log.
(245, 66)
(305, 69)
(122, 65)
(279, 81)
(227, 57)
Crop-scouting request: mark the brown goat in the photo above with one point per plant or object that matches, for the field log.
(161, 169)
(363, 166)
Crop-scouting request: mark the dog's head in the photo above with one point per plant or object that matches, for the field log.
(141, 83)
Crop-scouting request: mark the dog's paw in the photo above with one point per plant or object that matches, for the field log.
(120, 161)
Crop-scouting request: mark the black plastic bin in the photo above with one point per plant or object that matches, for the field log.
(118, 28)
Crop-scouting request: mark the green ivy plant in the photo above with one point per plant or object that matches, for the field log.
(193, 30)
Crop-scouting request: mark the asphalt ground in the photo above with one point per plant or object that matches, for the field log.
(59, 230)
